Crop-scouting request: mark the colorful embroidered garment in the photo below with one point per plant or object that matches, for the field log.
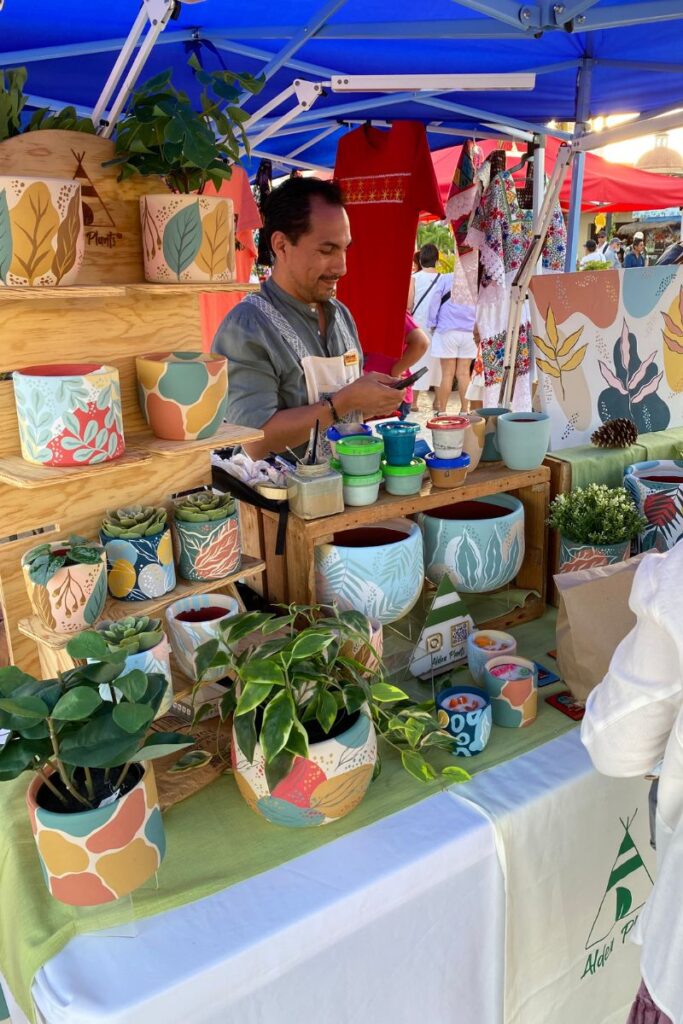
(466, 189)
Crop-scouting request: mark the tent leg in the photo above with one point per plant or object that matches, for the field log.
(583, 96)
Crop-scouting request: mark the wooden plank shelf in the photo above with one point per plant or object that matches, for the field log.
(181, 288)
(118, 291)
(228, 435)
(16, 472)
(113, 609)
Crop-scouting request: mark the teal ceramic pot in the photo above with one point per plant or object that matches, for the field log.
(479, 544)
(574, 557)
(377, 570)
(523, 438)
(465, 712)
(139, 568)
(484, 644)
(657, 489)
(491, 452)
(404, 479)
(399, 441)
(207, 551)
(192, 621)
(360, 456)
(512, 684)
(361, 490)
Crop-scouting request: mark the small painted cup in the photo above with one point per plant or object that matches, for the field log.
(465, 712)
(484, 644)
(512, 684)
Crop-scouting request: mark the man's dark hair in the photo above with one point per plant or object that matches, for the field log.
(288, 207)
(429, 255)
(590, 245)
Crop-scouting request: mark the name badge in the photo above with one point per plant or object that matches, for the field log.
(350, 358)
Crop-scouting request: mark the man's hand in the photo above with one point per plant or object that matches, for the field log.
(371, 394)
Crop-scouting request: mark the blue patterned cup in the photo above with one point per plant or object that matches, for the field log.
(484, 644)
(465, 713)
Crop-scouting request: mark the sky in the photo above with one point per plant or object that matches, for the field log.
(629, 152)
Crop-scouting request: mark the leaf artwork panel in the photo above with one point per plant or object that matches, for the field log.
(5, 237)
(561, 354)
(182, 238)
(213, 254)
(35, 222)
(67, 239)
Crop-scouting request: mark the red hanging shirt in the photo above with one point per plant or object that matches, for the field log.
(388, 179)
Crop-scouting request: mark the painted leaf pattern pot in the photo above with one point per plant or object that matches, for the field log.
(574, 557)
(320, 788)
(97, 856)
(139, 568)
(187, 238)
(41, 231)
(378, 570)
(73, 599)
(69, 414)
(478, 554)
(657, 489)
(207, 551)
(182, 395)
(186, 637)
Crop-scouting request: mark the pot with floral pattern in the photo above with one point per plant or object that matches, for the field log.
(192, 621)
(66, 582)
(69, 414)
(187, 238)
(207, 536)
(657, 489)
(139, 550)
(42, 240)
(183, 395)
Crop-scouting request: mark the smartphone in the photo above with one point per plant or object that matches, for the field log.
(407, 382)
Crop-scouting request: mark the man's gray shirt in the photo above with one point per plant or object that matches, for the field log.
(264, 373)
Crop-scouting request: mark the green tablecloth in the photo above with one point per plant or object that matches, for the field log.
(214, 840)
(591, 465)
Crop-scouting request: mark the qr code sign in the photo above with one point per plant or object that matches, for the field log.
(459, 633)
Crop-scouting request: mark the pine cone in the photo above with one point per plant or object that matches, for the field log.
(619, 433)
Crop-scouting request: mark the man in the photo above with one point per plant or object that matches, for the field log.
(591, 255)
(293, 350)
(609, 250)
(636, 257)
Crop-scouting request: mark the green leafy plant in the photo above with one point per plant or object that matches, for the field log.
(289, 679)
(135, 522)
(205, 507)
(65, 724)
(133, 634)
(162, 134)
(596, 265)
(44, 561)
(13, 100)
(596, 514)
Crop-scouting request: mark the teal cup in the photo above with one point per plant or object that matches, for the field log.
(523, 438)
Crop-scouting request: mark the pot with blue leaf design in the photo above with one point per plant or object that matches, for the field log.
(478, 544)
(187, 238)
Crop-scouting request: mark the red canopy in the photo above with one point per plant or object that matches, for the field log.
(607, 187)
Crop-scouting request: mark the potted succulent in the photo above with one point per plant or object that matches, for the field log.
(207, 536)
(92, 802)
(144, 643)
(596, 526)
(307, 715)
(186, 237)
(139, 549)
(66, 583)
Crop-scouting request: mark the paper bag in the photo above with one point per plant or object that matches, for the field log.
(593, 618)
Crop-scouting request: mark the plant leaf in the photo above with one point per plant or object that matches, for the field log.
(326, 711)
(543, 347)
(569, 342)
(671, 343)
(132, 717)
(5, 237)
(67, 239)
(89, 644)
(251, 696)
(245, 733)
(25, 707)
(456, 774)
(575, 360)
(133, 685)
(35, 223)
(160, 746)
(182, 238)
(416, 766)
(548, 368)
(672, 325)
(277, 724)
(551, 327)
(214, 251)
(76, 704)
(611, 379)
(191, 760)
(640, 372)
(385, 692)
(647, 389)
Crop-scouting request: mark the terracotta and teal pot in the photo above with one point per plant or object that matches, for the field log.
(97, 856)
(657, 489)
(42, 241)
(399, 441)
(156, 660)
(376, 569)
(139, 568)
(473, 445)
(191, 622)
(491, 452)
(320, 788)
(574, 557)
(523, 438)
(73, 599)
(69, 414)
(183, 395)
(479, 544)
(465, 712)
(484, 644)
(512, 685)
(187, 238)
(207, 551)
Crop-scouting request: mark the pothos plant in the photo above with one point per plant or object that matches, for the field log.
(289, 678)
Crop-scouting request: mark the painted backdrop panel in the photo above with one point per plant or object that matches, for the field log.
(609, 343)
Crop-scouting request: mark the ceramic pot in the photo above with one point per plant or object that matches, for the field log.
(139, 568)
(320, 788)
(69, 414)
(404, 479)
(360, 456)
(371, 658)
(574, 557)
(207, 551)
(377, 570)
(523, 438)
(41, 238)
(183, 395)
(187, 238)
(96, 856)
(156, 660)
(657, 489)
(73, 599)
(480, 544)
(448, 435)
(484, 644)
(491, 452)
(447, 472)
(399, 441)
(187, 636)
(361, 490)
(339, 430)
(473, 444)
(465, 713)
(512, 685)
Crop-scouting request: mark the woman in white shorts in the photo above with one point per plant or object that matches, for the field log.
(452, 342)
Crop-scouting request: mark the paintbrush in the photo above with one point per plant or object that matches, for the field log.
(313, 456)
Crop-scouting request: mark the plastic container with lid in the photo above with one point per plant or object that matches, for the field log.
(362, 490)
(360, 456)
(404, 479)
(339, 430)
(399, 441)
(447, 472)
(315, 491)
(448, 435)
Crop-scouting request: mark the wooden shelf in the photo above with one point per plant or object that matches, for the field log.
(16, 472)
(179, 288)
(118, 291)
(114, 609)
(228, 435)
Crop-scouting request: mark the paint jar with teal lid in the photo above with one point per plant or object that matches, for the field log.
(399, 441)
(404, 479)
(360, 456)
(362, 490)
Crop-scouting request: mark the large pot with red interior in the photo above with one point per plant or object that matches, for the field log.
(657, 489)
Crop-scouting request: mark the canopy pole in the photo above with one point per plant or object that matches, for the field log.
(583, 92)
(539, 187)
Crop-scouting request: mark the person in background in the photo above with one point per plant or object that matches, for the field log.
(633, 719)
(601, 242)
(415, 346)
(636, 257)
(422, 285)
(416, 262)
(452, 342)
(590, 254)
(613, 253)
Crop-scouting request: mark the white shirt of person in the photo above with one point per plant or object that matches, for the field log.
(632, 720)
(592, 257)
